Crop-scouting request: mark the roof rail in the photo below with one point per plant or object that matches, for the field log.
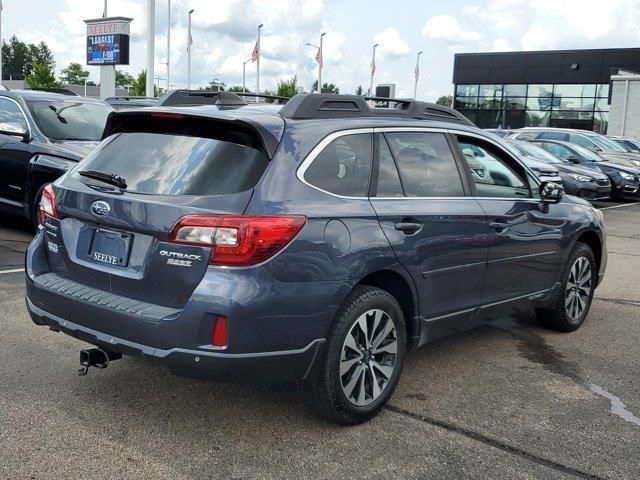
(206, 97)
(63, 91)
(329, 105)
(132, 97)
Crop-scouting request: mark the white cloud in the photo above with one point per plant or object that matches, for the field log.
(447, 28)
(502, 45)
(391, 44)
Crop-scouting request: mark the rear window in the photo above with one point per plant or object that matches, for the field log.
(70, 120)
(161, 164)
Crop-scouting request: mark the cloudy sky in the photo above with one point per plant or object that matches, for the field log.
(224, 33)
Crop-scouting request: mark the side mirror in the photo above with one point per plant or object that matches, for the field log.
(551, 192)
(15, 129)
(573, 159)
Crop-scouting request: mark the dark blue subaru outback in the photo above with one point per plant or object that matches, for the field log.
(317, 242)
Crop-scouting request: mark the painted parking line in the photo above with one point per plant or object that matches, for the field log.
(15, 270)
(619, 206)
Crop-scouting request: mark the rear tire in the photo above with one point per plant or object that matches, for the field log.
(578, 283)
(363, 358)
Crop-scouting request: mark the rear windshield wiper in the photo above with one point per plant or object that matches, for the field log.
(110, 178)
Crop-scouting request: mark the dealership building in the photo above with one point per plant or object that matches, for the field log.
(560, 88)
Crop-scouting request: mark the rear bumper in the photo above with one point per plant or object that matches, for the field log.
(284, 365)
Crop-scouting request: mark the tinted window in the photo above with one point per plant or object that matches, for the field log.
(494, 173)
(426, 165)
(553, 135)
(581, 140)
(177, 165)
(343, 167)
(70, 120)
(11, 113)
(559, 151)
(388, 179)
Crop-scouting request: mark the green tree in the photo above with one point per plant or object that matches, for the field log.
(237, 89)
(326, 87)
(74, 74)
(15, 56)
(42, 77)
(359, 90)
(288, 88)
(124, 79)
(139, 86)
(40, 54)
(446, 100)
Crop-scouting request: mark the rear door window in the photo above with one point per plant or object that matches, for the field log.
(554, 136)
(163, 164)
(343, 167)
(583, 141)
(388, 179)
(426, 164)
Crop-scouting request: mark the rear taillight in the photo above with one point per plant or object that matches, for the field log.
(47, 204)
(237, 240)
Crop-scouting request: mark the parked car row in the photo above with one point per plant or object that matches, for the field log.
(591, 165)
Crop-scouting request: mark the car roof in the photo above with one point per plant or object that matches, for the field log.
(39, 95)
(555, 129)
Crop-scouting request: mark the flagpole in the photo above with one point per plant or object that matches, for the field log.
(373, 68)
(258, 61)
(189, 42)
(320, 62)
(415, 85)
(0, 41)
(168, 42)
(151, 36)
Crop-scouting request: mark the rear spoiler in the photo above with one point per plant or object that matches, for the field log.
(243, 131)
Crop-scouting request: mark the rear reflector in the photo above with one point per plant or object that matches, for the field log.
(47, 204)
(237, 240)
(220, 335)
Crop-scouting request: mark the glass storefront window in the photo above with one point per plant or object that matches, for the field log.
(540, 90)
(536, 119)
(515, 90)
(578, 90)
(490, 103)
(573, 104)
(602, 90)
(490, 91)
(467, 90)
(538, 103)
(572, 115)
(466, 102)
(602, 105)
(601, 122)
(514, 103)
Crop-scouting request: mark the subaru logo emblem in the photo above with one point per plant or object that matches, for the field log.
(100, 208)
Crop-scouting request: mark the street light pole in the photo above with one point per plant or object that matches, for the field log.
(373, 68)
(258, 60)
(189, 42)
(415, 85)
(320, 62)
(168, 41)
(151, 35)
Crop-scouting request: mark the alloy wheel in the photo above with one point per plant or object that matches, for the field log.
(368, 357)
(578, 289)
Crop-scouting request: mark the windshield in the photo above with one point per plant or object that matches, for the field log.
(606, 144)
(538, 153)
(70, 120)
(586, 153)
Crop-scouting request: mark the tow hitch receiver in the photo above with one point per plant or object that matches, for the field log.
(96, 357)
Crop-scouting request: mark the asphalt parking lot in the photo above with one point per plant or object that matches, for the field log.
(506, 400)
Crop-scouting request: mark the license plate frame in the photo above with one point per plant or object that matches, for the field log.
(110, 247)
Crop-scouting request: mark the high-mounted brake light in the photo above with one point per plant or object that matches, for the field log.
(237, 240)
(166, 115)
(47, 205)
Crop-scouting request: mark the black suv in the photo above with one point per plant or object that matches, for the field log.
(42, 134)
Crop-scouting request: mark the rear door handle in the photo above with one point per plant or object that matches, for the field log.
(408, 228)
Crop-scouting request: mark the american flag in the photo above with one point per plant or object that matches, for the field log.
(417, 71)
(189, 42)
(319, 57)
(255, 54)
(373, 66)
